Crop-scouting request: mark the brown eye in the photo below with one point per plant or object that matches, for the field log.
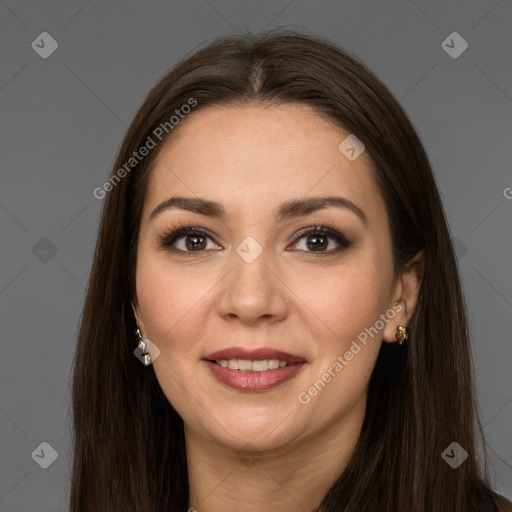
(188, 240)
(318, 238)
(193, 241)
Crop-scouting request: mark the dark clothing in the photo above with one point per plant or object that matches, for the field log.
(487, 502)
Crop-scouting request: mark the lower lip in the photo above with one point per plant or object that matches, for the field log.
(253, 381)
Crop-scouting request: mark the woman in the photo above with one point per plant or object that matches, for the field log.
(274, 251)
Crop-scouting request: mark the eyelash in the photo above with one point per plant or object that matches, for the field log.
(168, 238)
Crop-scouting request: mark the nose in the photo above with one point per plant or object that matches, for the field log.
(253, 291)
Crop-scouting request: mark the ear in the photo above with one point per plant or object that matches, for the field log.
(406, 293)
(136, 311)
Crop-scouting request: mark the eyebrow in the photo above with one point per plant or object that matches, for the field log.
(286, 210)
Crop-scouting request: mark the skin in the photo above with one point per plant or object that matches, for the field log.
(265, 451)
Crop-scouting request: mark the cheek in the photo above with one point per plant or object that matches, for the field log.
(347, 300)
(347, 305)
(347, 341)
(173, 303)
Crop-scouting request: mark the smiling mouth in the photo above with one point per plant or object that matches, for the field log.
(259, 365)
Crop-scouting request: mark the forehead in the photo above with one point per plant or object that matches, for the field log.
(249, 155)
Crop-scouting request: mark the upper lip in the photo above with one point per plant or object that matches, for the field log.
(254, 355)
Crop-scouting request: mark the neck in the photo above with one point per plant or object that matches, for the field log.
(288, 478)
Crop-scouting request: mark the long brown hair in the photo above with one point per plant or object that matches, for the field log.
(128, 440)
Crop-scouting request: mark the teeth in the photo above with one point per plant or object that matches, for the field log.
(244, 365)
(233, 364)
(261, 365)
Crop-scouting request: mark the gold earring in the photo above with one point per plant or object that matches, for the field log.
(402, 333)
(141, 349)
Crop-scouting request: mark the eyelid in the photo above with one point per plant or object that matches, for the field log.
(169, 237)
(167, 240)
(325, 230)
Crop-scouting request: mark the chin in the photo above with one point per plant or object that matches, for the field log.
(261, 433)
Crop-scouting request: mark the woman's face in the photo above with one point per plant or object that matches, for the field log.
(256, 282)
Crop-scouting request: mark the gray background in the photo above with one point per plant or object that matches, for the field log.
(63, 119)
